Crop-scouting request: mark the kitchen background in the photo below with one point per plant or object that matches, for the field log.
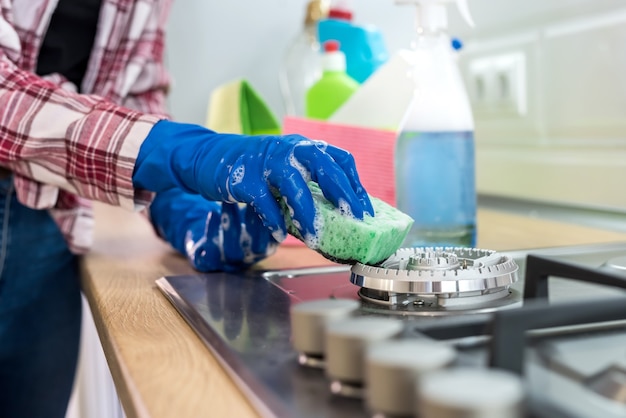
(547, 81)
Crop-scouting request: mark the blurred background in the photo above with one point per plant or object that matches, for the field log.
(545, 79)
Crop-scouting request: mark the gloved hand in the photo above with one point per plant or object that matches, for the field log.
(251, 170)
(213, 236)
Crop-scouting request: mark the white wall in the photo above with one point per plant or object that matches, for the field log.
(561, 136)
(567, 142)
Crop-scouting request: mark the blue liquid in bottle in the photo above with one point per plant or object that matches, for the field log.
(435, 181)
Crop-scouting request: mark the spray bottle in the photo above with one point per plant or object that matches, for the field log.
(435, 162)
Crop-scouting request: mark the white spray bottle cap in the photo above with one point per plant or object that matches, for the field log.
(431, 14)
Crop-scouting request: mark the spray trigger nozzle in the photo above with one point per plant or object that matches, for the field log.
(464, 11)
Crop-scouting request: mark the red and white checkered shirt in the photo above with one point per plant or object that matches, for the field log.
(66, 149)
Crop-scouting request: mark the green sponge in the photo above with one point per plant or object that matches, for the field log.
(345, 239)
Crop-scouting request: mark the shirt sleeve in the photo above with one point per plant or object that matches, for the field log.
(82, 144)
(149, 89)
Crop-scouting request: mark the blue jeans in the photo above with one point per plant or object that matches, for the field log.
(40, 312)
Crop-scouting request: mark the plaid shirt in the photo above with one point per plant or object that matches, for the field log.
(66, 149)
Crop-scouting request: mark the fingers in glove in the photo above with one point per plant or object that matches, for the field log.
(217, 246)
(254, 191)
(231, 231)
(246, 239)
(259, 242)
(268, 210)
(203, 246)
(233, 238)
(297, 196)
(346, 161)
(331, 178)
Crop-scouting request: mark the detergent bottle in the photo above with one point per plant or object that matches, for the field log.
(434, 157)
(335, 86)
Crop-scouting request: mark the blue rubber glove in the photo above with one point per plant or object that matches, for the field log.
(213, 236)
(251, 170)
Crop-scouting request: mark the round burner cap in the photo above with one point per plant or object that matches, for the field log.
(309, 320)
(470, 392)
(432, 260)
(393, 369)
(346, 343)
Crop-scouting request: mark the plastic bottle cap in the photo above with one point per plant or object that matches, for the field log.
(316, 10)
(331, 46)
(340, 14)
(333, 59)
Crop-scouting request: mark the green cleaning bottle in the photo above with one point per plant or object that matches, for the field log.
(334, 87)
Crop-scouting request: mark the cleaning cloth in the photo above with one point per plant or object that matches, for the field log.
(237, 108)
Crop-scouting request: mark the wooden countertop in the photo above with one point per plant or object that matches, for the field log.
(160, 367)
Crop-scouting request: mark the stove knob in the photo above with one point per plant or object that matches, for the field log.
(346, 344)
(394, 368)
(476, 393)
(308, 323)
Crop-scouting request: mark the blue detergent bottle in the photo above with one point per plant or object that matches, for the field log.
(363, 45)
(435, 161)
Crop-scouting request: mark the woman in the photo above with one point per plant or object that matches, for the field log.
(82, 118)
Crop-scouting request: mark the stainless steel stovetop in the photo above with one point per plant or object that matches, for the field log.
(569, 355)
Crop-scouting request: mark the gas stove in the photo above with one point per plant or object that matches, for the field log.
(431, 332)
